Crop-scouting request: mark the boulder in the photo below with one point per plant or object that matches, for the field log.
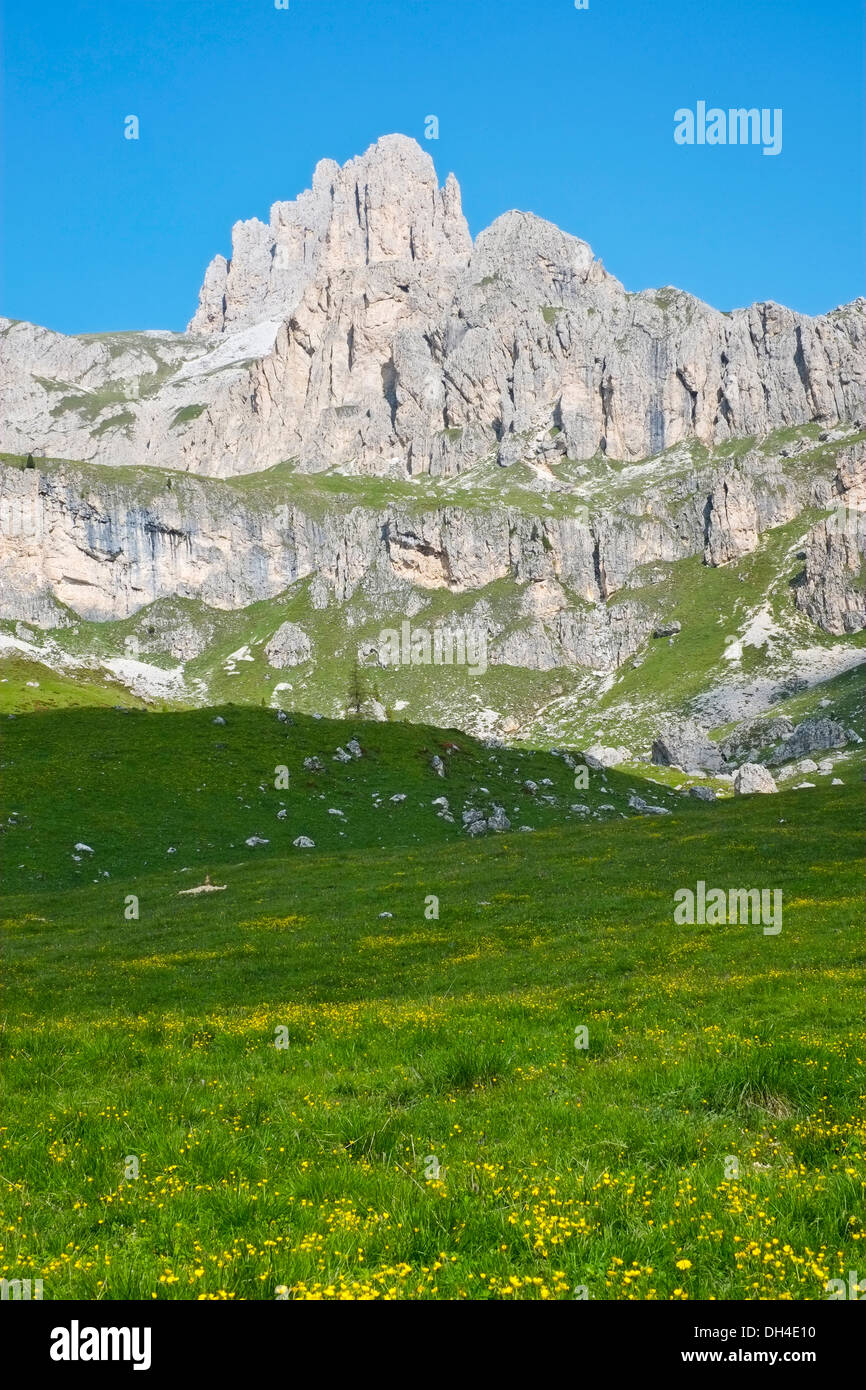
(598, 756)
(753, 777)
(684, 744)
(702, 793)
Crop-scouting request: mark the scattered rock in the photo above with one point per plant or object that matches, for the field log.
(313, 765)
(644, 808)
(667, 629)
(304, 842)
(702, 793)
(256, 840)
(751, 778)
(218, 720)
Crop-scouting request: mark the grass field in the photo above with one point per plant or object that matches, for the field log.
(429, 1129)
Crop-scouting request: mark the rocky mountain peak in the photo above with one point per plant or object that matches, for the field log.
(385, 206)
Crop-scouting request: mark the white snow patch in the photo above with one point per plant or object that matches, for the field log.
(150, 682)
(244, 346)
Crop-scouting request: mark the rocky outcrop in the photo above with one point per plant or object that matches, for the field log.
(382, 208)
(809, 737)
(832, 589)
(289, 646)
(685, 745)
(750, 739)
(105, 543)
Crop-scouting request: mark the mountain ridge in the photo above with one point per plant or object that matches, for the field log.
(361, 327)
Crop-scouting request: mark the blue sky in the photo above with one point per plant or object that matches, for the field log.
(567, 113)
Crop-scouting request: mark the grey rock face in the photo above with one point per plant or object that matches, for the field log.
(810, 736)
(684, 744)
(289, 646)
(753, 777)
(744, 744)
(831, 591)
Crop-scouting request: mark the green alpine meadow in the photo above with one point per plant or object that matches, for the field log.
(408, 1064)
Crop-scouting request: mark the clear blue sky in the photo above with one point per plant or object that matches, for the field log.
(566, 113)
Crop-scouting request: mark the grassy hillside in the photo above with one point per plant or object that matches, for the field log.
(177, 791)
(430, 1129)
